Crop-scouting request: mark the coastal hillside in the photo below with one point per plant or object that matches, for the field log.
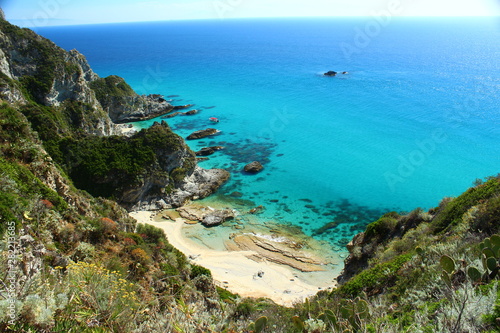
(73, 260)
(72, 109)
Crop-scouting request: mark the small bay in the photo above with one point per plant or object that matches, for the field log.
(415, 119)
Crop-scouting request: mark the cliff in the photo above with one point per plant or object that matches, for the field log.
(74, 112)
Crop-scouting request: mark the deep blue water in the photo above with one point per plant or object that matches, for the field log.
(416, 119)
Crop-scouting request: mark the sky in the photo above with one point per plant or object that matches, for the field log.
(36, 13)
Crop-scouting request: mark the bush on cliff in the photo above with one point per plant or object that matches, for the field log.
(452, 212)
(111, 86)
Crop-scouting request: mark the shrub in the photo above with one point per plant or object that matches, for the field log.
(488, 217)
(244, 309)
(111, 86)
(378, 276)
(452, 212)
(100, 295)
(108, 226)
(151, 234)
(199, 270)
(226, 295)
(169, 270)
(141, 256)
(383, 226)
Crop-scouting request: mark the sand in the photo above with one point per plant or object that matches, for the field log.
(235, 271)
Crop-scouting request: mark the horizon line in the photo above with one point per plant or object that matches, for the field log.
(19, 21)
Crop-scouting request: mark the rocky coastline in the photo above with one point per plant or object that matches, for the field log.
(99, 109)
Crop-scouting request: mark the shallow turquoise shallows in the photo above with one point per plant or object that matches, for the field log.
(415, 119)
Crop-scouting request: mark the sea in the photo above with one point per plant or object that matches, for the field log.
(414, 119)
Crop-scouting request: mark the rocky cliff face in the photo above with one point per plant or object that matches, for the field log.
(71, 106)
(123, 104)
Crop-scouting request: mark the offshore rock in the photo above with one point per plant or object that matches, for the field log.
(182, 107)
(208, 150)
(253, 167)
(171, 115)
(330, 73)
(190, 113)
(202, 134)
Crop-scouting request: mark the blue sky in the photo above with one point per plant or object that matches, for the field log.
(57, 12)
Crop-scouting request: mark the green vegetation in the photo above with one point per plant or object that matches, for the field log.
(111, 86)
(107, 166)
(383, 226)
(450, 214)
(379, 276)
(49, 59)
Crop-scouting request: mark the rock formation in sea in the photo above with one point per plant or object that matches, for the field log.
(253, 167)
(202, 133)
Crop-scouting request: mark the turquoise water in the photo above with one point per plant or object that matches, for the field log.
(416, 119)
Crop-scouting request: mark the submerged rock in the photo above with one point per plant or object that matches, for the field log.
(171, 115)
(253, 167)
(325, 228)
(202, 133)
(256, 210)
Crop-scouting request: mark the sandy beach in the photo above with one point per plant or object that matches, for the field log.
(259, 265)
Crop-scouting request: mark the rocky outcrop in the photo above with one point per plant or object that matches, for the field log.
(198, 185)
(253, 167)
(279, 250)
(50, 76)
(208, 216)
(54, 76)
(202, 133)
(123, 105)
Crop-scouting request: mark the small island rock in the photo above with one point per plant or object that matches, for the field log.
(253, 167)
(208, 150)
(330, 73)
(190, 113)
(202, 134)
